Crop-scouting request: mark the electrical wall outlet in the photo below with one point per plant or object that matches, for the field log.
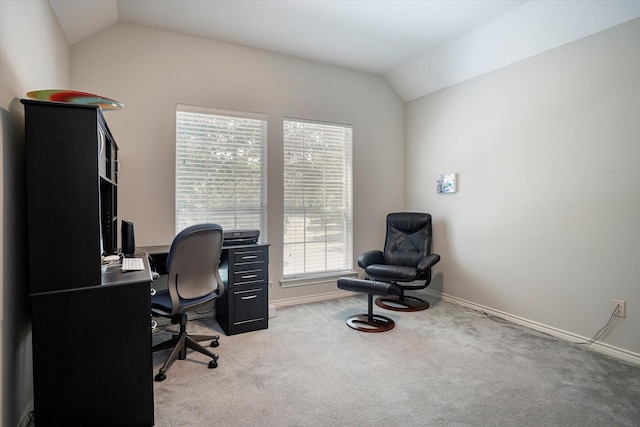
(621, 307)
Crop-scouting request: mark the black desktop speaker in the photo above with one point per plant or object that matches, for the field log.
(128, 239)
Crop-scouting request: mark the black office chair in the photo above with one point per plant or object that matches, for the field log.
(406, 259)
(194, 280)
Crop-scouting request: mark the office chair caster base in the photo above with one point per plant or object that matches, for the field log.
(160, 377)
(373, 323)
(213, 363)
(215, 342)
(402, 304)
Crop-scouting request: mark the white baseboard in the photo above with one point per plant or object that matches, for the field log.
(616, 352)
(311, 298)
(25, 418)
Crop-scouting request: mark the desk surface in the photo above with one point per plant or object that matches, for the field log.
(112, 275)
(156, 250)
(164, 249)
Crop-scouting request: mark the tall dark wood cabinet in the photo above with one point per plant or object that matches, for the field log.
(91, 327)
(70, 185)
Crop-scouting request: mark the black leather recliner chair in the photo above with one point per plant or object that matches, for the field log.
(405, 262)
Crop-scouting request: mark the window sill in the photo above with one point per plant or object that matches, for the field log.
(315, 279)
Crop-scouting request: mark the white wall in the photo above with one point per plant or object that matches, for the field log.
(33, 55)
(533, 28)
(151, 71)
(545, 225)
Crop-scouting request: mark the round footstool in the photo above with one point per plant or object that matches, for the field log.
(369, 322)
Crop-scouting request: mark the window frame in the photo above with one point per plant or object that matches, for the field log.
(260, 210)
(299, 278)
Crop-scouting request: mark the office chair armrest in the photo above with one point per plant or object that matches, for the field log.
(221, 288)
(370, 257)
(427, 262)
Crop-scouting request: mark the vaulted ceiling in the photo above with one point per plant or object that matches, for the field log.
(418, 46)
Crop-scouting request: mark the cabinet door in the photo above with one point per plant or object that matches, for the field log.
(92, 357)
(61, 144)
(248, 306)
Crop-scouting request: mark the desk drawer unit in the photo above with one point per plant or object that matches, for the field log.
(244, 307)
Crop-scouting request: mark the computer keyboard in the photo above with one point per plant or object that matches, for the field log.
(132, 264)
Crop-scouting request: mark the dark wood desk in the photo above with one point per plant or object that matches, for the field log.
(92, 356)
(244, 269)
(91, 329)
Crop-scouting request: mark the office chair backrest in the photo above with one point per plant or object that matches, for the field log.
(408, 238)
(193, 262)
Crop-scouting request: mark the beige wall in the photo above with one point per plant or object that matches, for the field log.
(545, 225)
(33, 55)
(151, 71)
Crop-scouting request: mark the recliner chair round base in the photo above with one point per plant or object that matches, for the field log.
(377, 323)
(405, 303)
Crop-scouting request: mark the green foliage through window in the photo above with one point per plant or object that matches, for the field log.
(317, 198)
(220, 169)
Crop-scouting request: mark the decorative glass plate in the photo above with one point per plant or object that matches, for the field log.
(75, 97)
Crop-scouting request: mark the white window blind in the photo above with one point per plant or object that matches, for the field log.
(221, 169)
(318, 224)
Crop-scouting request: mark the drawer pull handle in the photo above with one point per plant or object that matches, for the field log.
(250, 257)
(250, 297)
(250, 276)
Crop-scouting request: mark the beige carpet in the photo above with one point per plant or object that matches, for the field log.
(444, 366)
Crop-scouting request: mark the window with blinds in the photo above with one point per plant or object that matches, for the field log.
(317, 198)
(221, 171)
